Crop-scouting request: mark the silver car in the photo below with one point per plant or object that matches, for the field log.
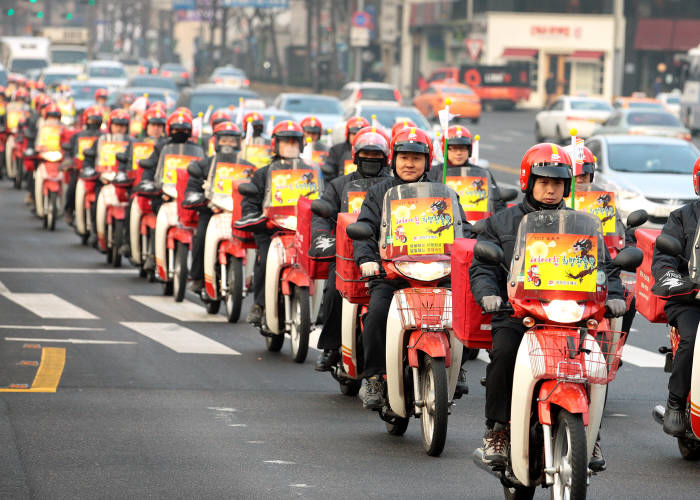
(639, 121)
(653, 173)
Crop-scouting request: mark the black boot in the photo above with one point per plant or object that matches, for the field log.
(674, 419)
(329, 358)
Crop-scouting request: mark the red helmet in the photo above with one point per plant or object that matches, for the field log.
(22, 94)
(117, 117)
(285, 129)
(41, 86)
(101, 94)
(370, 139)
(589, 163)
(254, 118)
(312, 125)
(226, 128)
(158, 105)
(354, 124)
(545, 160)
(217, 117)
(458, 134)
(92, 113)
(179, 120)
(401, 125)
(184, 110)
(52, 110)
(412, 140)
(154, 116)
(696, 176)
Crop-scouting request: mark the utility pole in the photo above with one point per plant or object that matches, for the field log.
(358, 50)
(618, 45)
(224, 35)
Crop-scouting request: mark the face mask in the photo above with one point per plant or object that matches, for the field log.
(180, 137)
(225, 149)
(370, 167)
(287, 150)
(93, 126)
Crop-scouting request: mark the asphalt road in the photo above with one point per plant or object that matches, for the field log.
(158, 401)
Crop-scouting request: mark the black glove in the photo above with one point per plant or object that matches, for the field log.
(672, 284)
(322, 246)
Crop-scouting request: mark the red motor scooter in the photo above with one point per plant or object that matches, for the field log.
(51, 178)
(567, 356)
(16, 113)
(140, 208)
(423, 356)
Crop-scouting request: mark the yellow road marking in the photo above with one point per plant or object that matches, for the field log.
(53, 360)
(504, 168)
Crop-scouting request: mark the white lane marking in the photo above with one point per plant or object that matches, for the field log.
(180, 339)
(48, 305)
(642, 358)
(216, 408)
(68, 341)
(182, 311)
(483, 356)
(59, 270)
(279, 462)
(255, 442)
(302, 485)
(237, 425)
(49, 328)
(3, 289)
(617, 415)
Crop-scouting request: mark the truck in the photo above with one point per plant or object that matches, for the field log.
(497, 86)
(69, 45)
(21, 54)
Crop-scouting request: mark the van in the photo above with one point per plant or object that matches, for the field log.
(21, 54)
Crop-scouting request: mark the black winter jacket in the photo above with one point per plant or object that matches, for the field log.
(682, 225)
(335, 162)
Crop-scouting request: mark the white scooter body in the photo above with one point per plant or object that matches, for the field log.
(80, 216)
(107, 196)
(166, 218)
(218, 230)
(135, 214)
(39, 176)
(395, 354)
(520, 412)
(348, 349)
(695, 391)
(9, 164)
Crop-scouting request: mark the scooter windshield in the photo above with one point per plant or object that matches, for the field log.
(108, 145)
(557, 257)
(49, 138)
(472, 186)
(224, 171)
(16, 112)
(420, 221)
(175, 158)
(287, 181)
(140, 151)
(259, 155)
(354, 194)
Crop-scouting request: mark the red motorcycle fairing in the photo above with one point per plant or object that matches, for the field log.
(434, 344)
(296, 275)
(181, 234)
(148, 221)
(231, 247)
(116, 212)
(571, 397)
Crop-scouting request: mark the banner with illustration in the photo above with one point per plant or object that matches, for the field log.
(13, 118)
(49, 138)
(349, 167)
(107, 154)
(473, 192)
(599, 203)
(259, 155)
(83, 144)
(318, 158)
(424, 225)
(355, 199)
(226, 173)
(560, 262)
(172, 164)
(140, 151)
(289, 185)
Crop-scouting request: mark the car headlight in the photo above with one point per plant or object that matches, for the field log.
(51, 156)
(564, 311)
(285, 221)
(424, 271)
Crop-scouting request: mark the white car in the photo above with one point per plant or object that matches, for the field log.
(672, 101)
(111, 74)
(585, 114)
(369, 93)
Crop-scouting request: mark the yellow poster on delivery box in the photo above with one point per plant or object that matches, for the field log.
(425, 225)
(560, 262)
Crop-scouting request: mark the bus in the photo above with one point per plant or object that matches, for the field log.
(21, 54)
(690, 96)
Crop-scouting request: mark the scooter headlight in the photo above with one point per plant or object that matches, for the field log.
(51, 156)
(564, 311)
(424, 271)
(286, 221)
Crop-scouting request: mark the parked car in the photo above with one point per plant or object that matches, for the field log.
(55, 75)
(177, 72)
(205, 95)
(644, 122)
(652, 173)
(672, 102)
(465, 103)
(584, 114)
(386, 115)
(107, 73)
(326, 108)
(155, 81)
(228, 75)
(378, 93)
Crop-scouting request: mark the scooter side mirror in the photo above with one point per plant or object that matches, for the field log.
(488, 252)
(322, 208)
(65, 146)
(508, 194)
(147, 163)
(629, 259)
(637, 218)
(248, 189)
(669, 245)
(359, 231)
(122, 157)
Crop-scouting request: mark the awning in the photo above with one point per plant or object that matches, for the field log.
(513, 53)
(654, 34)
(686, 35)
(585, 55)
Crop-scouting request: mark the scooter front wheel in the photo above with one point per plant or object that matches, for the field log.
(117, 238)
(397, 426)
(301, 324)
(524, 493)
(180, 274)
(52, 210)
(433, 417)
(234, 298)
(570, 457)
(689, 448)
(274, 343)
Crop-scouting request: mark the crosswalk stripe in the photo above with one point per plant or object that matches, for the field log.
(180, 339)
(182, 311)
(642, 358)
(48, 305)
(63, 270)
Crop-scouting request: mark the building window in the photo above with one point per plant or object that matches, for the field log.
(436, 46)
(589, 77)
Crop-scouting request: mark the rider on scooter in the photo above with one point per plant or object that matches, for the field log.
(227, 142)
(256, 121)
(412, 154)
(370, 152)
(545, 178)
(341, 153)
(287, 143)
(682, 310)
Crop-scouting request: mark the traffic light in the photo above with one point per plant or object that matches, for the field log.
(69, 16)
(40, 14)
(32, 1)
(10, 12)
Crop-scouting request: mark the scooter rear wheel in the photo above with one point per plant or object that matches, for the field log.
(433, 418)
(301, 324)
(180, 275)
(570, 456)
(19, 172)
(689, 448)
(117, 238)
(397, 426)
(234, 299)
(52, 211)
